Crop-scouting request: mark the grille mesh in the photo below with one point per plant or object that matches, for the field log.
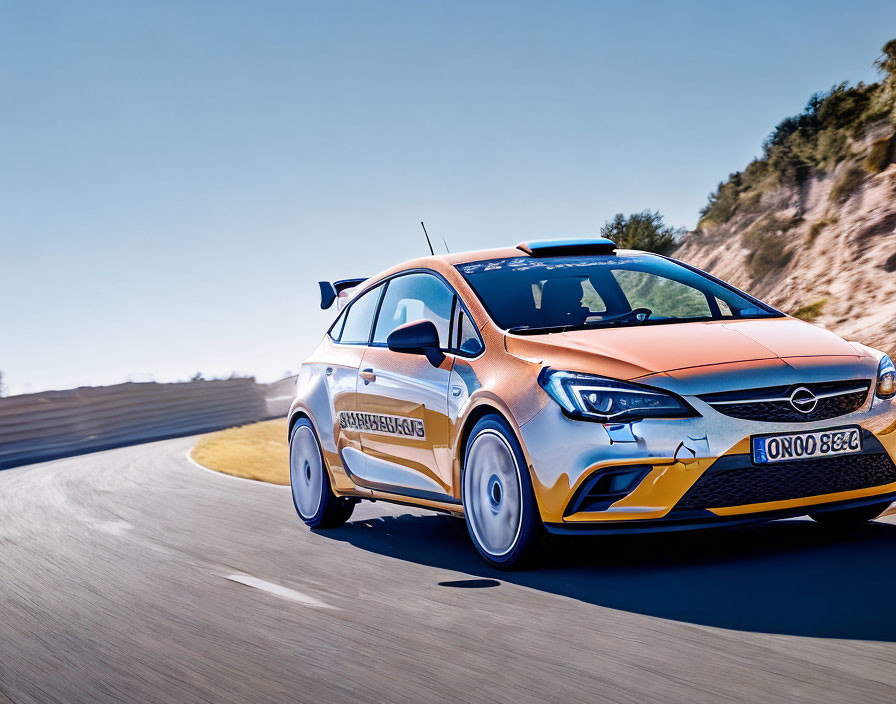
(753, 484)
(754, 408)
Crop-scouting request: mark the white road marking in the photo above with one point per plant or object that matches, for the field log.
(278, 590)
(257, 482)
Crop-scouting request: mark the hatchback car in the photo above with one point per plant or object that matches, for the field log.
(567, 387)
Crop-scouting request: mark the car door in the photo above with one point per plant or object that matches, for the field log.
(402, 398)
(350, 336)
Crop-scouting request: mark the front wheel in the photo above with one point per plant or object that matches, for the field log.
(499, 504)
(848, 517)
(312, 494)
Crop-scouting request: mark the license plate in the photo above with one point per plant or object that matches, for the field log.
(801, 446)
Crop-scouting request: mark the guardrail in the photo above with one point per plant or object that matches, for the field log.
(52, 424)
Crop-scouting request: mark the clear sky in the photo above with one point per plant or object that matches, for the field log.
(175, 176)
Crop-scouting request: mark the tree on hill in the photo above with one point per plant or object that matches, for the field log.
(2, 388)
(645, 230)
(886, 62)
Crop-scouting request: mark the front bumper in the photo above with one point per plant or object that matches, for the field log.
(706, 520)
(697, 472)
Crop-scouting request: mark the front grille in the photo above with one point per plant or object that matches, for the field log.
(735, 481)
(772, 405)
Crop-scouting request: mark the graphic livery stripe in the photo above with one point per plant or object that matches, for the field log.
(398, 426)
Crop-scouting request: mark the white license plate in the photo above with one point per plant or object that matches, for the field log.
(802, 446)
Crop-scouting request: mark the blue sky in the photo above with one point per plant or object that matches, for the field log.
(176, 176)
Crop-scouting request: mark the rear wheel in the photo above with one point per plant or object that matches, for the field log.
(312, 494)
(847, 517)
(499, 504)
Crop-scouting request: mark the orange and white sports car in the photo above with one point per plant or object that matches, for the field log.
(570, 387)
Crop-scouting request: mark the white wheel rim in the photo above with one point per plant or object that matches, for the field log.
(493, 496)
(305, 471)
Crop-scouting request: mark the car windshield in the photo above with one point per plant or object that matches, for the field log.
(525, 294)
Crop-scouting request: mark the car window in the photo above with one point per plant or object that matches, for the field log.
(414, 297)
(529, 294)
(359, 317)
(336, 328)
(467, 340)
(663, 297)
(724, 308)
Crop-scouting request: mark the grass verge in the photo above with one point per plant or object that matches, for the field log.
(257, 451)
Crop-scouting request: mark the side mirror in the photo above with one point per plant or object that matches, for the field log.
(421, 337)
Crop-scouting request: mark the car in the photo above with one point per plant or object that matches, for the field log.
(566, 387)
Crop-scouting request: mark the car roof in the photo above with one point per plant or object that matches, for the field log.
(445, 263)
(454, 258)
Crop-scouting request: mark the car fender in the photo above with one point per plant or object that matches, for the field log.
(482, 400)
(313, 401)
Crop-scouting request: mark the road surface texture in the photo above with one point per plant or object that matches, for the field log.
(134, 576)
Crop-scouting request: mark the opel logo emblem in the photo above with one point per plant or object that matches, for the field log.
(803, 400)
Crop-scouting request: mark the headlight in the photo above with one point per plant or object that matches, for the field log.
(597, 398)
(886, 378)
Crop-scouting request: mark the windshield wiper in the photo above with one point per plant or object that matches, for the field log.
(534, 330)
(596, 325)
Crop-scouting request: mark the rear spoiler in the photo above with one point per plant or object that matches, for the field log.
(329, 292)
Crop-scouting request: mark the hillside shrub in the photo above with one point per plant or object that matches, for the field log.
(879, 156)
(818, 226)
(811, 311)
(846, 185)
(766, 243)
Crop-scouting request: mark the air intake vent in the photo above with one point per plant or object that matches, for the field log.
(738, 482)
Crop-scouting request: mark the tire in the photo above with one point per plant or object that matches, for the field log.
(312, 494)
(849, 517)
(499, 505)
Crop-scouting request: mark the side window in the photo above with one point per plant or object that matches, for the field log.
(724, 308)
(591, 298)
(467, 340)
(414, 297)
(359, 318)
(336, 328)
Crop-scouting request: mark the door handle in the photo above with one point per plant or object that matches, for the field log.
(367, 375)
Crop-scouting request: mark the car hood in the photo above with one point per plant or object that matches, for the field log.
(637, 351)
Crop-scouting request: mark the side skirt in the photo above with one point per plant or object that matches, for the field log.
(391, 482)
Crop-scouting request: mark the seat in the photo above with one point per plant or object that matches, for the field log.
(561, 303)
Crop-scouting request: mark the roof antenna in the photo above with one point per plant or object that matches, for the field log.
(446, 246)
(431, 251)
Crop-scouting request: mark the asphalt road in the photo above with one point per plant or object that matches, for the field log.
(133, 576)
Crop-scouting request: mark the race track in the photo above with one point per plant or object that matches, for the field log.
(133, 576)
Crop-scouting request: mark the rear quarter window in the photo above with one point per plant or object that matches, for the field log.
(359, 318)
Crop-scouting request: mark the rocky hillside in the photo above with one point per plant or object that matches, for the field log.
(811, 226)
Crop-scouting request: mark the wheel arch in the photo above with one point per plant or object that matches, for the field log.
(294, 418)
(295, 415)
(477, 412)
